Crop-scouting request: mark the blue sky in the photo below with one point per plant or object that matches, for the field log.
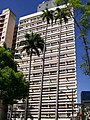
(25, 7)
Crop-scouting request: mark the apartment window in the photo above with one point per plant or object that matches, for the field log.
(62, 56)
(70, 70)
(70, 54)
(34, 18)
(69, 40)
(46, 58)
(36, 74)
(62, 106)
(21, 22)
(62, 71)
(37, 60)
(20, 28)
(62, 63)
(54, 30)
(27, 25)
(53, 65)
(32, 24)
(52, 106)
(54, 43)
(48, 31)
(62, 41)
(36, 67)
(39, 23)
(46, 66)
(53, 72)
(44, 106)
(52, 80)
(46, 73)
(53, 89)
(45, 89)
(3, 16)
(44, 33)
(47, 4)
(47, 44)
(52, 37)
(51, 50)
(70, 62)
(39, 17)
(69, 47)
(3, 37)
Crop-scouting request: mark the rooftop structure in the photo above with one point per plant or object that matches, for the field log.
(46, 4)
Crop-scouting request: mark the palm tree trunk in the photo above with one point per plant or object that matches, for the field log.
(27, 99)
(58, 71)
(43, 59)
(3, 111)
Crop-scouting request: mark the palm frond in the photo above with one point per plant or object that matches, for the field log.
(48, 15)
(62, 14)
(33, 43)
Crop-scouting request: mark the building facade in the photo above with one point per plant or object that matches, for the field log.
(7, 24)
(67, 92)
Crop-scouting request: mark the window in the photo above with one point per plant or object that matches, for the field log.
(53, 72)
(62, 56)
(36, 74)
(53, 65)
(46, 66)
(69, 40)
(46, 73)
(3, 37)
(70, 70)
(36, 67)
(20, 27)
(46, 58)
(47, 4)
(62, 63)
(70, 62)
(62, 71)
(54, 43)
(53, 89)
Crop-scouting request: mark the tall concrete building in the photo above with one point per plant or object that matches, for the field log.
(50, 106)
(7, 24)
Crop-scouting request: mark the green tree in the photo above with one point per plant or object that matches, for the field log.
(7, 59)
(48, 17)
(13, 86)
(83, 23)
(33, 44)
(61, 15)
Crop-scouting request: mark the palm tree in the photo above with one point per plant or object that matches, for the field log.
(32, 45)
(48, 16)
(61, 14)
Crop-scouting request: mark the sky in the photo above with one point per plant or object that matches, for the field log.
(25, 7)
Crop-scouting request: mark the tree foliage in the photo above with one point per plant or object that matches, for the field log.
(13, 85)
(7, 59)
(82, 8)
